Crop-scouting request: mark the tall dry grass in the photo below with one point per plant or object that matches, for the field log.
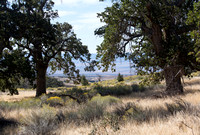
(139, 113)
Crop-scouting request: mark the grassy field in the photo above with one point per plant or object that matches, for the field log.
(106, 108)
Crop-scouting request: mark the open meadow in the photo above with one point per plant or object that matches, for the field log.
(80, 55)
(106, 107)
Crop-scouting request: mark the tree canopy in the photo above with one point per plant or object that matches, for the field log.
(14, 66)
(154, 35)
(194, 17)
(46, 44)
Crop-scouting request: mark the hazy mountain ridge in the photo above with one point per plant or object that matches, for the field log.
(122, 67)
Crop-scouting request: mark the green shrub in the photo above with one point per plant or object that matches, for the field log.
(120, 78)
(92, 111)
(105, 100)
(72, 116)
(138, 88)
(129, 111)
(25, 104)
(117, 90)
(43, 122)
(53, 82)
(84, 81)
(55, 101)
(82, 95)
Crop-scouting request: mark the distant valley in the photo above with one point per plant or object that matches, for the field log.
(122, 67)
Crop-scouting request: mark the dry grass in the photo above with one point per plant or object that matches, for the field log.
(160, 121)
(180, 123)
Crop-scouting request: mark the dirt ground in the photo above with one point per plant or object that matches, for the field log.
(4, 96)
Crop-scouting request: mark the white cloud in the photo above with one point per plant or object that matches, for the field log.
(65, 13)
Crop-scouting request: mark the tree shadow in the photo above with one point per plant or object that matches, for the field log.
(7, 124)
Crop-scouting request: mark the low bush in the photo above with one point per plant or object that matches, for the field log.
(92, 111)
(25, 104)
(42, 122)
(72, 116)
(105, 100)
(81, 95)
(55, 101)
(117, 90)
(53, 82)
(137, 88)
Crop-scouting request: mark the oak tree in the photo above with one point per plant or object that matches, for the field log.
(46, 44)
(154, 35)
(50, 45)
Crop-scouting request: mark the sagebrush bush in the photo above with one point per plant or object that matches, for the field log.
(105, 100)
(55, 101)
(137, 88)
(23, 104)
(42, 122)
(129, 109)
(72, 117)
(117, 90)
(82, 95)
(92, 111)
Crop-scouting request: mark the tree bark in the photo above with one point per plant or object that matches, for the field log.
(41, 80)
(173, 76)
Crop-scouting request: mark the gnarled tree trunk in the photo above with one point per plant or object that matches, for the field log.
(41, 80)
(173, 76)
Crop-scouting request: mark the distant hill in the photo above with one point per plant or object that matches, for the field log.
(122, 67)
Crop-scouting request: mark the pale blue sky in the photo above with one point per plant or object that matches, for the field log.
(82, 15)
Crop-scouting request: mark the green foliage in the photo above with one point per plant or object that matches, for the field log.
(120, 78)
(55, 101)
(92, 111)
(194, 19)
(53, 82)
(130, 111)
(23, 104)
(81, 95)
(152, 79)
(105, 100)
(117, 90)
(138, 88)
(154, 39)
(84, 81)
(14, 66)
(47, 44)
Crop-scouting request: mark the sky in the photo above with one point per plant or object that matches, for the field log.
(82, 15)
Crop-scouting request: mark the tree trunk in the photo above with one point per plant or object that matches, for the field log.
(173, 76)
(41, 80)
